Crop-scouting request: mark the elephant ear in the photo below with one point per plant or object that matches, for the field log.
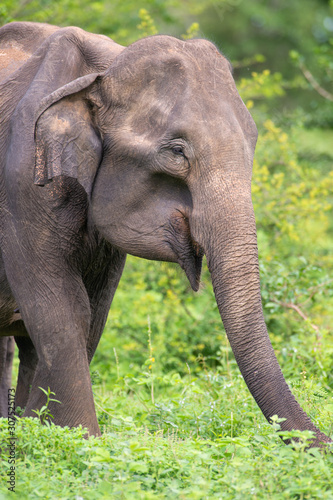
(66, 140)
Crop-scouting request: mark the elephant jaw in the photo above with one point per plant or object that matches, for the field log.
(188, 253)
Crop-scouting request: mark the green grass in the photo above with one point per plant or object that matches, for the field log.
(134, 462)
(198, 435)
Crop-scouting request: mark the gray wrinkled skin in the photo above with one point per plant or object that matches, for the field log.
(106, 151)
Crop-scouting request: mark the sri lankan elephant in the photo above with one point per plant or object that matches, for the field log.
(105, 151)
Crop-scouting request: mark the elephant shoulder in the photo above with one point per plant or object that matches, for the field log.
(98, 51)
(18, 41)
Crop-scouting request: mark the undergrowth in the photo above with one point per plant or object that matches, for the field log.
(199, 435)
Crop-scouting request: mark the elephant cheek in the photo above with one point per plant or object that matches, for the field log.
(135, 238)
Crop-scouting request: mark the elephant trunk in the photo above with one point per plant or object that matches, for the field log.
(227, 234)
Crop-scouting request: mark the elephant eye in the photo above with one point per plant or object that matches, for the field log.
(178, 150)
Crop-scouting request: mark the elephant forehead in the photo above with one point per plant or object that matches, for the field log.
(153, 114)
(165, 84)
(196, 116)
(180, 101)
(200, 52)
(167, 65)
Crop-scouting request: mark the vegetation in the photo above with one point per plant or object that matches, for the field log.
(177, 418)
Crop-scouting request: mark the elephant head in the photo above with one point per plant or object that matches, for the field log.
(163, 146)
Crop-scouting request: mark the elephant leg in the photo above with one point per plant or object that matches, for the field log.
(46, 251)
(62, 366)
(62, 361)
(28, 363)
(55, 308)
(7, 347)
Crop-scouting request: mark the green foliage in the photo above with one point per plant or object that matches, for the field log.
(147, 24)
(324, 62)
(289, 193)
(161, 292)
(191, 32)
(261, 86)
(44, 414)
(202, 434)
(123, 20)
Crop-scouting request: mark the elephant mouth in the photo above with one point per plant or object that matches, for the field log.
(192, 266)
(188, 252)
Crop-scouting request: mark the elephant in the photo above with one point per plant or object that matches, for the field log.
(107, 151)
